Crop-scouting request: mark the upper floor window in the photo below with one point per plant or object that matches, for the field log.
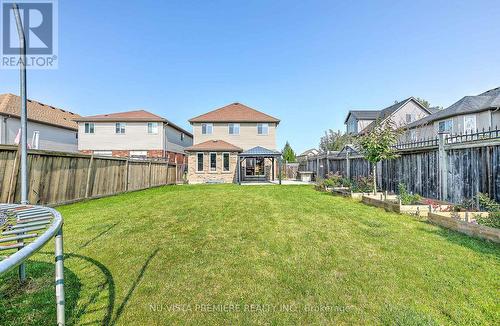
(182, 136)
(409, 118)
(207, 128)
(470, 123)
(89, 127)
(152, 127)
(446, 126)
(120, 127)
(234, 128)
(263, 128)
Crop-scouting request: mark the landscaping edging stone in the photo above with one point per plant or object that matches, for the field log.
(444, 219)
(346, 192)
(388, 204)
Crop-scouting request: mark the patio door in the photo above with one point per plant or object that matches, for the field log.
(255, 167)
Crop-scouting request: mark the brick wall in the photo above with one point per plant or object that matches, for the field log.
(216, 176)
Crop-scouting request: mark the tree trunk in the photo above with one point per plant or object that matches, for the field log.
(374, 178)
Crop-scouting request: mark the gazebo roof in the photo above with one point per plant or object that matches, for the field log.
(260, 152)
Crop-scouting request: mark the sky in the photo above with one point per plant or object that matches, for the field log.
(305, 62)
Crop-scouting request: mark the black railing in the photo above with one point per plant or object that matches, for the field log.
(473, 136)
(429, 142)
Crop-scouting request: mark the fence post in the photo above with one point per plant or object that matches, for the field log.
(89, 174)
(327, 164)
(149, 179)
(11, 194)
(347, 166)
(317, 166)
(176, 172)
(443, 166)
(126, 174)
(166, 181)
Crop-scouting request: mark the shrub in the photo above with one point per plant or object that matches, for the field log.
(334, 179)
(362, 184)
(320, 184)
(405, 197)
(492, 207)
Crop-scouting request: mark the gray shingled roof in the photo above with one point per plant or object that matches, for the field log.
(260, 152)
(385, 113)
(363, 114)
(468, 104)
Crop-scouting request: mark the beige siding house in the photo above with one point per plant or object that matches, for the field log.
(400, 114)
(134, 134)
(468, 115)
(232, 144)
(49, 128)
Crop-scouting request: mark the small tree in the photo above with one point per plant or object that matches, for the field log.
(288, 154)
(378, 144)
(334, 140)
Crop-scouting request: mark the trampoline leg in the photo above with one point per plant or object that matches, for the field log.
(60, 278)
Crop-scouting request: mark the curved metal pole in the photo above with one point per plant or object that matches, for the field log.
(24, 132)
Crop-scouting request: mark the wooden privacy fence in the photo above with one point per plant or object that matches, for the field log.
(57, 177)
(448, 167)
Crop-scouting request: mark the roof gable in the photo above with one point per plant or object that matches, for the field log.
(137, 115)
(235, 112)
(363, 115)
(10, 104)
(215, 146)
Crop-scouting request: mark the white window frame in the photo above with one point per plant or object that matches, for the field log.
(138, 154)
(210, 162)
(261, 125)
(473, 116)
(228, 162)
(234, 127)
(198, 161)
(120, 128)
(153, 128)
(444, 122)
(89, 127)
(103, 153)
(207, 128)
(35, 140)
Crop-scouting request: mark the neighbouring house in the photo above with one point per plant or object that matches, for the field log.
(234, 143)
(49, 128)
(467, 115)
(400, 114)
(135, 134)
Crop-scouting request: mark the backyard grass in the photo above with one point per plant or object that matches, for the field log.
(227, 254)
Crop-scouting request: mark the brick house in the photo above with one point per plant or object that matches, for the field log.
(135, 134)
(232, 144)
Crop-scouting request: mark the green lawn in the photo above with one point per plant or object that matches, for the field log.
(256, 255)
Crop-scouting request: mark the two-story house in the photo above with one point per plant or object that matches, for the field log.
(49, 128)
(400, 114)
(135, 134)
(232, 144)
(467, 115)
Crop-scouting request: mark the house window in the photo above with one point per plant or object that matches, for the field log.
(35, 142)
(213, 162)
(152, 127)
(470, 123)
(199, 162)
(225, 162)
(207, 128)
(120, 127)
(89, 127)
(409, 118)
(103, 153)
(139, 154)
(234, 128)
(262, 128)
(182, 136)
(445, 126)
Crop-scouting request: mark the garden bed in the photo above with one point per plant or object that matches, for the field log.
(464, 222)
(392, 204)
(346, 192)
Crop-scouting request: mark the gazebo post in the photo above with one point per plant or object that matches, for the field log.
(239, 170)
(279, 169)
(272, 168)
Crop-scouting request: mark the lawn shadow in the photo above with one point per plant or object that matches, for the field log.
(120, 309)
(34, 302)
(455, 237)
(98, 236)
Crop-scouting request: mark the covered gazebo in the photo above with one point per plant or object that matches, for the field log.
(254, 160)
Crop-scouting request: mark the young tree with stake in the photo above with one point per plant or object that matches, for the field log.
(378, 144)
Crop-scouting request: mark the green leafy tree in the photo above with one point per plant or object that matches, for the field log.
(288, 154)
(334, 140)
(426, 104)
(378, 144)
